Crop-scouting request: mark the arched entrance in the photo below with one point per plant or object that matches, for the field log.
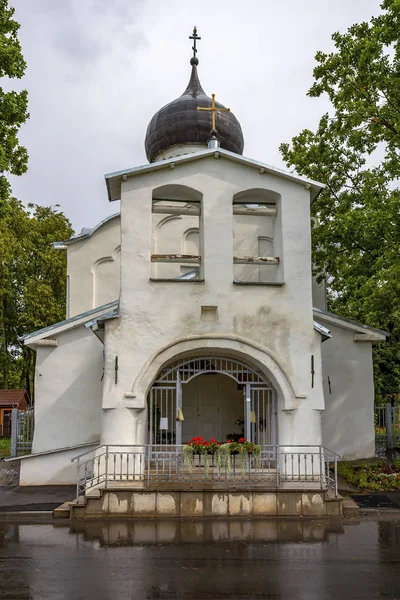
(211, 396)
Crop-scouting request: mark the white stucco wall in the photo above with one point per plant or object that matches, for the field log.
(68, 391)
(277, 320)
(94, 263)
(50, 469)
(348, 419)
(93, 268)
(179, 150)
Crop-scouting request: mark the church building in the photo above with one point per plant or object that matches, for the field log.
(193, 312)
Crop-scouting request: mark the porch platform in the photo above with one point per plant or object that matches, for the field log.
(149, 481)
(202, 484)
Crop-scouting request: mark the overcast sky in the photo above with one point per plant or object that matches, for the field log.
(99, 69)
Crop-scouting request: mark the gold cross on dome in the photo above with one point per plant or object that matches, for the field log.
(213, 110)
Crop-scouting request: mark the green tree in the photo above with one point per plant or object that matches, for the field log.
(355, 151)
(13, 105)
(35, 293)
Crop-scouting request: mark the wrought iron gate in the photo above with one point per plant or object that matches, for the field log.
(22, 431)
(262, 418)
(162, 416)
(165, 400)
(387, 425)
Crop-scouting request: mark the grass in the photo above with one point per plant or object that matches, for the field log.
(374, 476)
(5, 444)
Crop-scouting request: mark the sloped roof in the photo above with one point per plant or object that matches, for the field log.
(85, 233)
(329, 317)
(13, 398)
(113, 180)
(101, 311)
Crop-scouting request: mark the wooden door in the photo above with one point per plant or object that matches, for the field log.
(201, 407)
(209, 407)
(189, 409)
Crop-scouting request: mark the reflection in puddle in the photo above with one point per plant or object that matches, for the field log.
(129, 533)
(272, 559)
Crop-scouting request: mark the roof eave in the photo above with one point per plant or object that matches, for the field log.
(372, 334)
(113, 180)
(83, 236)
(31, 339)
(323, 331)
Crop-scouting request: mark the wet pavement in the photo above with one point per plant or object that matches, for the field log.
(35, 498)
(378, 500)
(202, 560)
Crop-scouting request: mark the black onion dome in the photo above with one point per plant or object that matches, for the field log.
(179, 122)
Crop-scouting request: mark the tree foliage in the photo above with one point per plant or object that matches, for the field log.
(355, 151)
(13, 105)
(34, 290)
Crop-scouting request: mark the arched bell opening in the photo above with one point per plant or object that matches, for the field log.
(211, 397)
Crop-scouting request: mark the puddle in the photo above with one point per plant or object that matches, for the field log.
(202, 559)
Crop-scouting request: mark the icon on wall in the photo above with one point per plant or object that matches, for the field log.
(164, 423)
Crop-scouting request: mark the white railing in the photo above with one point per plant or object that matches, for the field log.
(146, 466)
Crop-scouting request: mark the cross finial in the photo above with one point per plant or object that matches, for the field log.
(214, 109)
(194, 37)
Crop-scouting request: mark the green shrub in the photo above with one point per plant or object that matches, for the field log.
(5, 444)
(383, 476)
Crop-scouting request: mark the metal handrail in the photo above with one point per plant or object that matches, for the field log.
(78, 456)
(145, 463)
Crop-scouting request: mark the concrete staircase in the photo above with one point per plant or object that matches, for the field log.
(162, 503)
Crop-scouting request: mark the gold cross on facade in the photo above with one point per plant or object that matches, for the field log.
(213, 110)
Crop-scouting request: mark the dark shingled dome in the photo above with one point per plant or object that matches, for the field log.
(179, 122)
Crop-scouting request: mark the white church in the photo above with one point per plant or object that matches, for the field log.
(193, 312)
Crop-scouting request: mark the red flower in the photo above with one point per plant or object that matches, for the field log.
(229, 441)
(242, 441)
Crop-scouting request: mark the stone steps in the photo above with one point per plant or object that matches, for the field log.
(351, 510)
(64, 510)
(207, 503)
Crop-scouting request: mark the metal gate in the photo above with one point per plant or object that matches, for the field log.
(22, 431)
(162, 416)
(387, 425)
(262, 418)
(165, 400)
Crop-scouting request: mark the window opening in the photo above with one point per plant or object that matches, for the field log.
(255, 249)
(176, 253)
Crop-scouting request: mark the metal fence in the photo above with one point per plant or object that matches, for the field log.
(145, 466)
(387, 425)
(22, 426)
